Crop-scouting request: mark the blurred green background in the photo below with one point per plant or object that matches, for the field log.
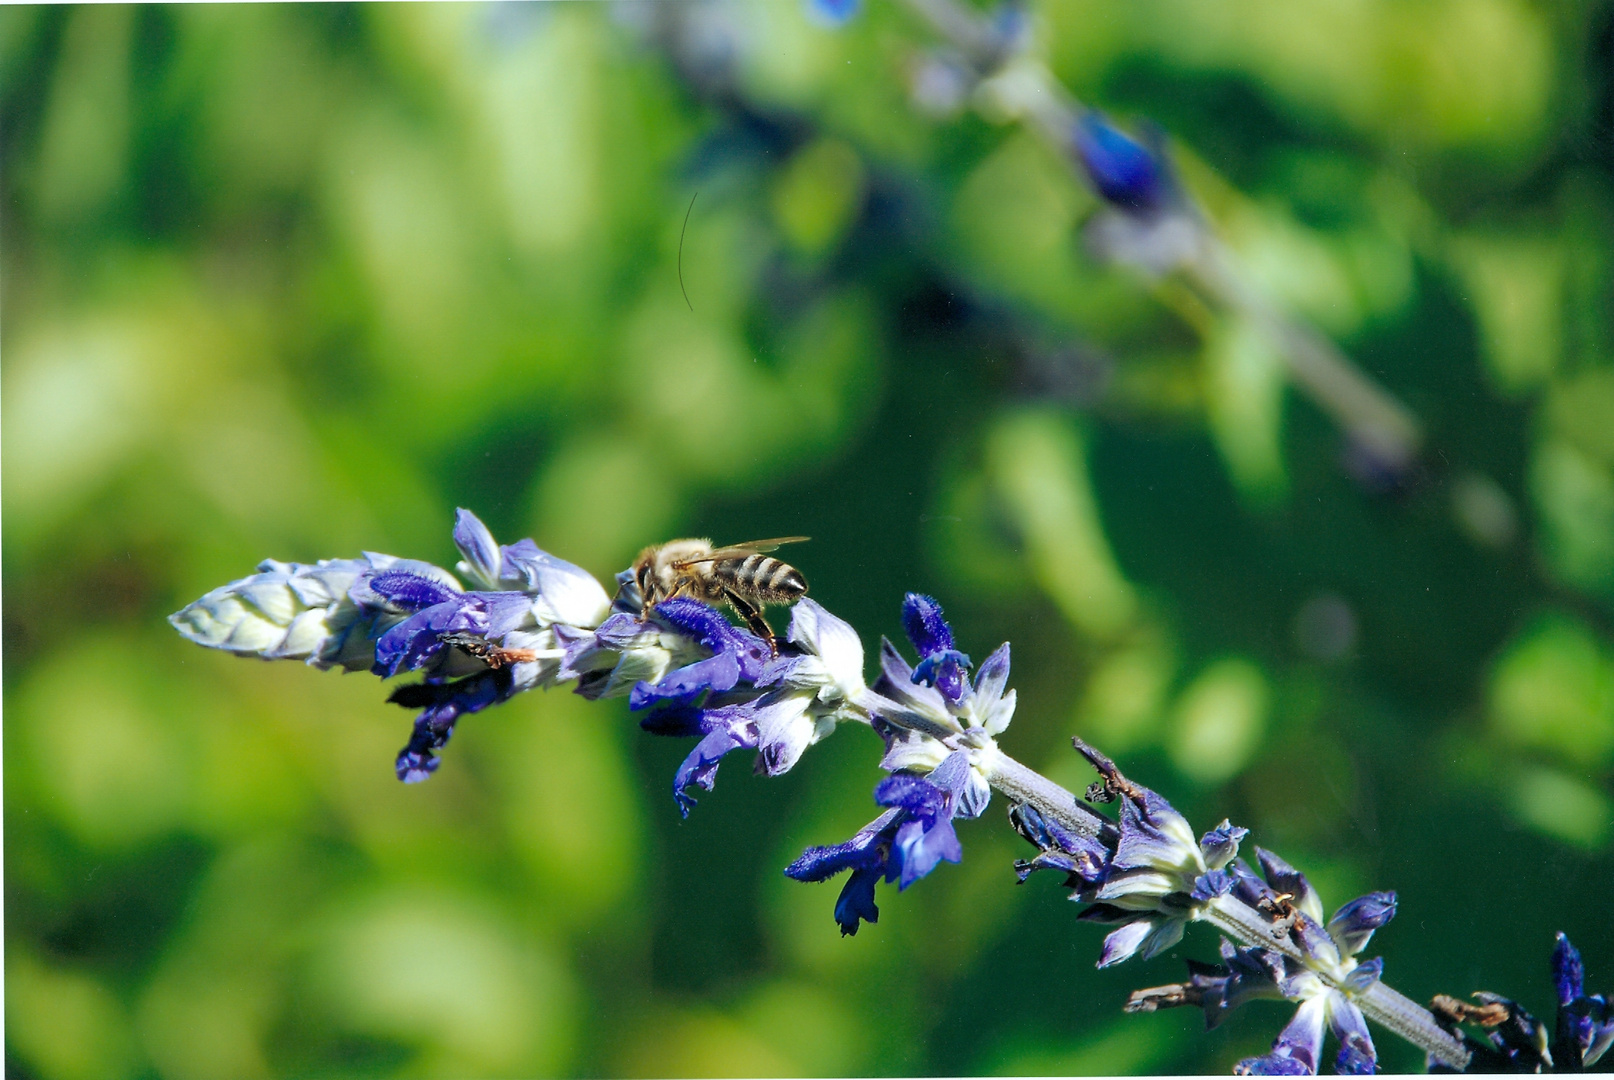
(294, 282)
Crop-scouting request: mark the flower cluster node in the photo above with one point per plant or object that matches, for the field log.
(941, 751)
(1149, 877)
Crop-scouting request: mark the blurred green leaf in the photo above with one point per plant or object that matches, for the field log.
(1516, 285)
(1039, 468)
(816, 195)
(1554, 690)
(1219, 720)
(1244, 395)
(66, 1025)
(1563, 807)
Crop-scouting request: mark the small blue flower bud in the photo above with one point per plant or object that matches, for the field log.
(1123, 171)
(1212, 884)
(1220, 846)
(1365, 974)
(1353, 924)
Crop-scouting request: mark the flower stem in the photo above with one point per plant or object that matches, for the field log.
(1028, 786)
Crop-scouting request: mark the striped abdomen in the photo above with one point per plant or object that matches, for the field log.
(761, 576)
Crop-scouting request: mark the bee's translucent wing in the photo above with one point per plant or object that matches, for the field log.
(750, 547)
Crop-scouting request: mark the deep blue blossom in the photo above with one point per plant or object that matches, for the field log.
(867, 855)
(419, 639)
(1084, 860)
(402, 588)
(903, 844)
(940, 664)
(736, 654)
(442, 704)
(938, 692)
(740, 697)
(1124, 171)
(719, 730)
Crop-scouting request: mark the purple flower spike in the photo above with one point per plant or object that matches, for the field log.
(1125, 172)
(940, 664)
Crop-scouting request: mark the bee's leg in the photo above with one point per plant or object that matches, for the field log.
(753, 618)
(678, 589)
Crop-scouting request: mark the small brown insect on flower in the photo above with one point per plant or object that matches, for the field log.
(489, 653)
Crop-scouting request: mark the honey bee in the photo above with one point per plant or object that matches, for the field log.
(740, 574)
